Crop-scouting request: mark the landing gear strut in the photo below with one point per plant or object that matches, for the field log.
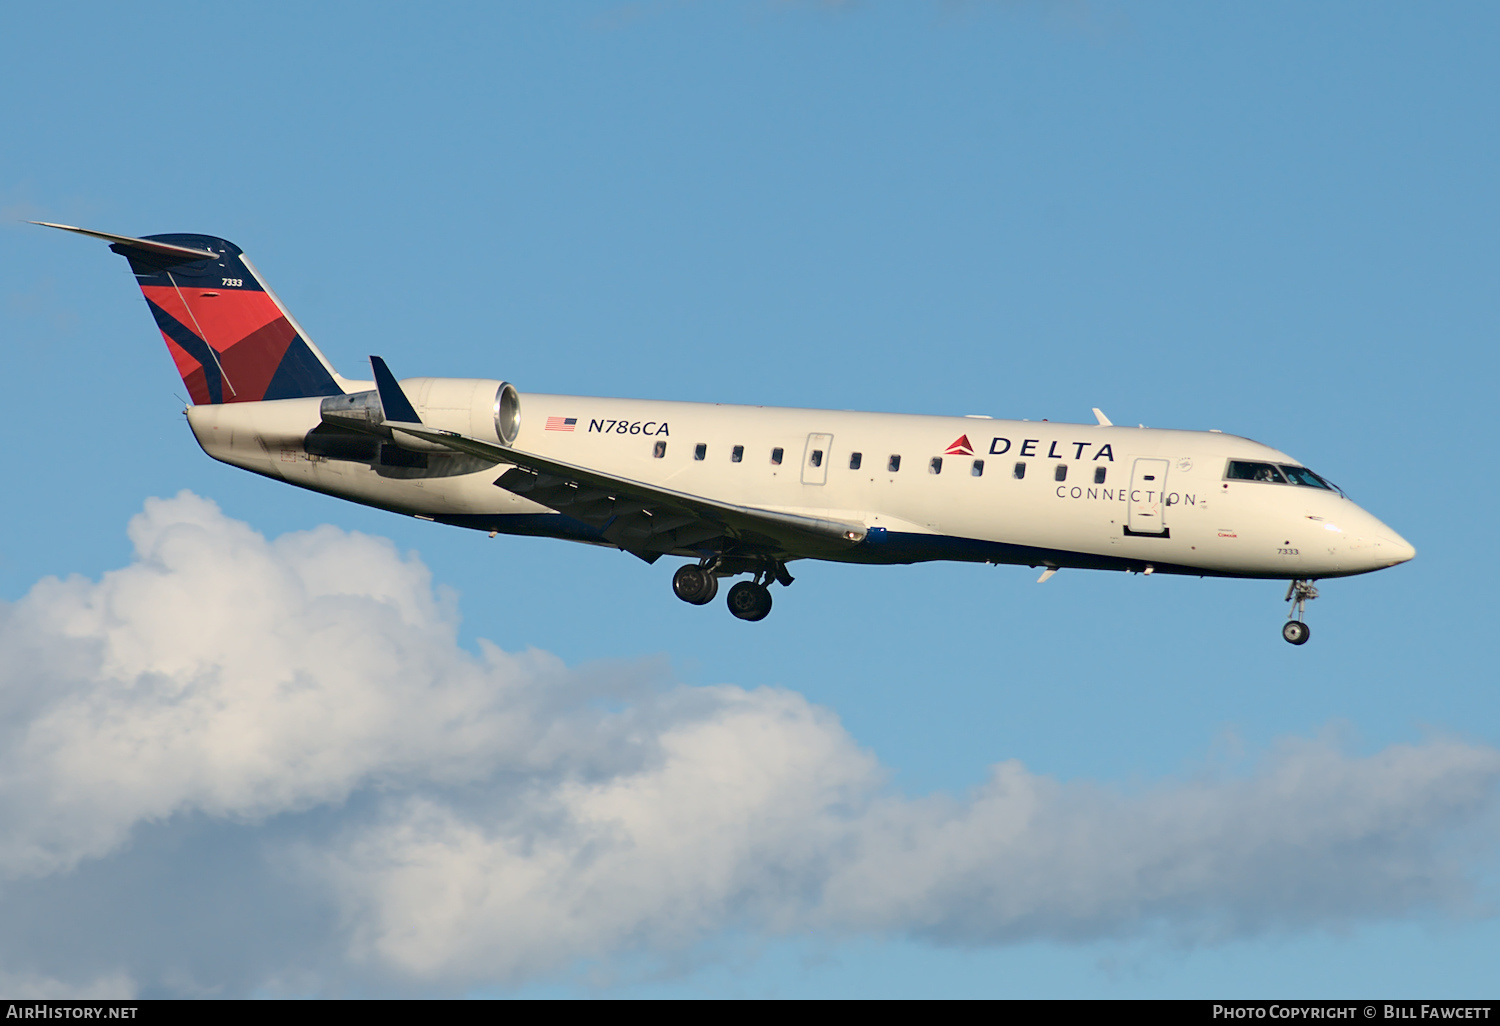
(1294, 630)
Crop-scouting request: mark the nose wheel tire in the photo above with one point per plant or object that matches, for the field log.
(695, 584)
(750, 601)
(1296, 632)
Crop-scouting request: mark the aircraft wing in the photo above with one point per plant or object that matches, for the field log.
(644, 519)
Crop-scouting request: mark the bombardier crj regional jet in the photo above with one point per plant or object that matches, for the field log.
(735, 489)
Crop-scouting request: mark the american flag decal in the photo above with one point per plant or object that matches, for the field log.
(561, 423)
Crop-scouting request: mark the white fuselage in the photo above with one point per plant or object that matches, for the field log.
(1086, 495)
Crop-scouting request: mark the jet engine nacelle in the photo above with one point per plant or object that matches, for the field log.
(478, 407)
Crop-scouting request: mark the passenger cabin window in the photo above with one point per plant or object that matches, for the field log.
(737, 454)
(894, 465)
(1099, 473)
(776, 457)
(700, 451)
(1020, 471)
(1061, 473)
(936, 466)
(978, 468)
(815, 458)
(854, 460)
(660, 449)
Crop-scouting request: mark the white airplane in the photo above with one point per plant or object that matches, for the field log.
(736, 489)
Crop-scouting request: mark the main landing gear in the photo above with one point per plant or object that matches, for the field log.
(748, 600)
(1294, 630)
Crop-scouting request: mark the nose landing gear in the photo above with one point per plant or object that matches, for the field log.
(1294, 630)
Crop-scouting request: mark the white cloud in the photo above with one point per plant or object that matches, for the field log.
(225, 674)
(274, 758)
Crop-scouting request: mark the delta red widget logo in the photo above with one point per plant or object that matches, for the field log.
(960, 448)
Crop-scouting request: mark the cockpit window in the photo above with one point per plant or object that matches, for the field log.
(1277, 473)
(1243, 470)
(1303, 476)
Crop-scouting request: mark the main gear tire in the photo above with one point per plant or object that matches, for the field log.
(695, 585)
(750, 601)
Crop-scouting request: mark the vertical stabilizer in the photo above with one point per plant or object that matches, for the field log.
(229, 335)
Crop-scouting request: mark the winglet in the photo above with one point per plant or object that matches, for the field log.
(392, 400)
(1103, 420)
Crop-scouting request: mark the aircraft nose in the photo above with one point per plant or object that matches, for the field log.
(1375, 546)
(1396, 548)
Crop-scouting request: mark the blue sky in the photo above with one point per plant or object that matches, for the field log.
(1277, 220)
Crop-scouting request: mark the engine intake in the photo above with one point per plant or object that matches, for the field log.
(507, 413)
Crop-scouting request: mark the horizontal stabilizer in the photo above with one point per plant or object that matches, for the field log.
(160, 248)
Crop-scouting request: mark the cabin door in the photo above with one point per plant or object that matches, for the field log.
(815, 459)
(1148, 497)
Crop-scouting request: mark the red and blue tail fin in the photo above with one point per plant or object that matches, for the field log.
(229, 335)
